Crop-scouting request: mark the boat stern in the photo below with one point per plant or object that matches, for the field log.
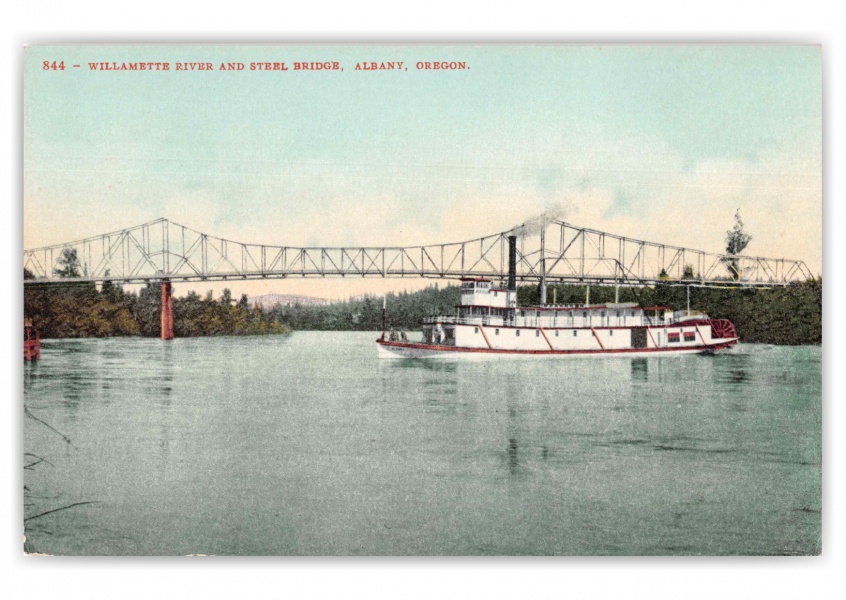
(723, 333)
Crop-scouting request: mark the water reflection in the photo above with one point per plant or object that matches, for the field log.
(512, 456)
(167, 360)
(738, 376)
(440, 366)
(512, 428)
(493, 455)
(166, 427)
(437, 381)
(31, 373)
(640, 369)
(736, 369)
(76, 386)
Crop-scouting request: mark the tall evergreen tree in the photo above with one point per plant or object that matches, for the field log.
(736, 241)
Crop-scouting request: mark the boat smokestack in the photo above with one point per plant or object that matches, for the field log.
(384, 315)
(512, 263)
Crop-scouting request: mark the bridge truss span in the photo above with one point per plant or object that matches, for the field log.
(162, 250)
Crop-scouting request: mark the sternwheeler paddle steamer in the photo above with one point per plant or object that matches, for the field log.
(489, 322)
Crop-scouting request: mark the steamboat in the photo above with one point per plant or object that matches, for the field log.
(489, 322)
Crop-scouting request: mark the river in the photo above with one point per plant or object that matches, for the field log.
(309, 444)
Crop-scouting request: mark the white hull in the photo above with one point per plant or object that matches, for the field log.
(411, 350)
(490, 324)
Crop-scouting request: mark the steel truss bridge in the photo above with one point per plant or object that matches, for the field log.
(162, 250)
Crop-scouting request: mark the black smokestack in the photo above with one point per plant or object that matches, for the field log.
(512, 263)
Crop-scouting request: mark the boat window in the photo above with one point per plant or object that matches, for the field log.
(618, 313)
(537, 313)
(584, 315)
(603, 313)
(537, 333)
(518, 333)
(496, 331)
(610, 332)
(575, 333)
(475, 330)
(556, 333)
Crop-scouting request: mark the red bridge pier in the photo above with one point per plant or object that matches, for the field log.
(32, 345)
(167, 311)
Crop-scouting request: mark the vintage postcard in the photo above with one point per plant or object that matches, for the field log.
(422, 300)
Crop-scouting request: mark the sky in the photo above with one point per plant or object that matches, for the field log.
(662, 143)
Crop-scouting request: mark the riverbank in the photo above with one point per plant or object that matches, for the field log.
(789, 316)
(83, 311)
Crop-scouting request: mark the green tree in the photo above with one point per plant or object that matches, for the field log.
(111, 291)
(70, 264)
(736, 241)
(148, 310)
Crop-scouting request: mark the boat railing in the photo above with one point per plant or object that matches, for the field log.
(478, 320)
(449, 320)
(578, 323)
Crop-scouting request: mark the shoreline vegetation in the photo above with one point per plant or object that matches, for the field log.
(80, 310)
(791, 315)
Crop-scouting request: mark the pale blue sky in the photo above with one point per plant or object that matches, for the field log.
(407, 157)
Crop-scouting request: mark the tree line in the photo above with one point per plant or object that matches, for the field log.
(790, 315)
(406, 310)
(787, 315)
(80, 309)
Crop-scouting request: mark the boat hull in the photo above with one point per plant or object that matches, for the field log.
(388, 349)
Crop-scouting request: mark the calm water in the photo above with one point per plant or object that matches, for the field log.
(309, 444)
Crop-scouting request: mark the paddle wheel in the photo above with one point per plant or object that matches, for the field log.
(722, 329)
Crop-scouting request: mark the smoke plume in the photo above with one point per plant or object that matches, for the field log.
(554, 212)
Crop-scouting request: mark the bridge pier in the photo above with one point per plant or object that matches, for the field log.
(167, 311)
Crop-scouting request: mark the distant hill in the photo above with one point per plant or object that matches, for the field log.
(268, 301)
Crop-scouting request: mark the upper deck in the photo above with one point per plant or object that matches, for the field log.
(483, 303)
(569, 316)
(483, 292)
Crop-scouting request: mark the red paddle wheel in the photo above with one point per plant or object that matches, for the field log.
(722, 329)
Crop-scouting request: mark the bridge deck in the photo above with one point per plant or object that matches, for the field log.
(165, 251)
